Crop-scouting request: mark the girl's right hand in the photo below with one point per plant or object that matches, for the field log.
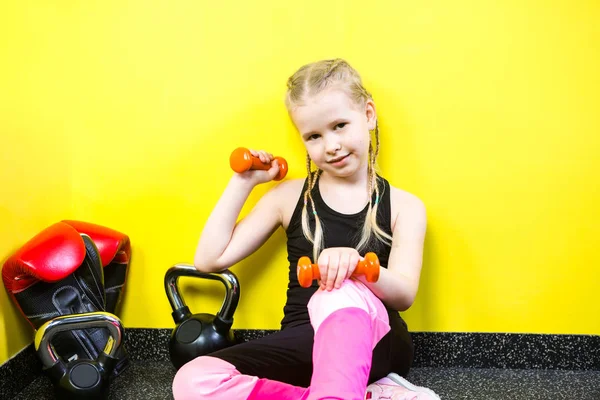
(261, 176)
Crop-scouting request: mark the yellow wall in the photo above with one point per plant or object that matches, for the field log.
(35, 157)
(489, 113)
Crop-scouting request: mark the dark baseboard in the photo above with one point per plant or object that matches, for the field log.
(432, 349)
(441, 349)
(507, 350)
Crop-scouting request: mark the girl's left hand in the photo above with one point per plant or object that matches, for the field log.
(337, 264)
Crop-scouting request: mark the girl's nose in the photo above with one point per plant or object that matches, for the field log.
(332, 146)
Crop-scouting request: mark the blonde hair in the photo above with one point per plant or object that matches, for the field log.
(312, 79)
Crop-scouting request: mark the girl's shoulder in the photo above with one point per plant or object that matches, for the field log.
(404, 197)
(288, 194)
(290, 187)
(405, 205)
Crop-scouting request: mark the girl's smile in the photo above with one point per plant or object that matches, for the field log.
(339, 161)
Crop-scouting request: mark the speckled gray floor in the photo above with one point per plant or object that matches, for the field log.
(152, 380)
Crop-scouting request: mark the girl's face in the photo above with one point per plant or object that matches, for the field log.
(335, 131)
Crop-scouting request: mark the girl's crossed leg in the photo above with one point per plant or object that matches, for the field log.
(348, 342)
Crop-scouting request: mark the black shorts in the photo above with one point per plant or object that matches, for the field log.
(286, 355)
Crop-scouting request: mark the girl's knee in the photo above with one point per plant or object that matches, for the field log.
(203, 377)
(351, 294)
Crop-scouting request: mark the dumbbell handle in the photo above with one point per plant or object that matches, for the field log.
(241, 160)
(307, 272)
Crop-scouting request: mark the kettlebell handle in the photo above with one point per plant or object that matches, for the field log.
(228, 278)
(100, 319)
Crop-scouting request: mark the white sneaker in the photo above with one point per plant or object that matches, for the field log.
(395, 387)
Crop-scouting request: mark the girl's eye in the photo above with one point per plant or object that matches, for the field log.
(340, 125)
(313, 137)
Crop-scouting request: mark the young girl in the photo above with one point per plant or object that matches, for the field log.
(343, 333)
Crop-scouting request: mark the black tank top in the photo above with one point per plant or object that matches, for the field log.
(339, 230)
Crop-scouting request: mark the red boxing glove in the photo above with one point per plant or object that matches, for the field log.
(112, 245)
(60, 272)
(115, 253)
(50, 256)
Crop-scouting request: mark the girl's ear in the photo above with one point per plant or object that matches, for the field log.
(371, 114)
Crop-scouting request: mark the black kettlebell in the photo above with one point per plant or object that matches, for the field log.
(200, 334)
(82, 378)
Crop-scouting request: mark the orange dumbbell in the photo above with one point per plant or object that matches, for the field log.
(307, 272)
(241, 160)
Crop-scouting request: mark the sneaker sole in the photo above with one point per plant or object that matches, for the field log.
(403, 382)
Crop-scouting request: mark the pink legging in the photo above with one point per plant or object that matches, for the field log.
(348, 322)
